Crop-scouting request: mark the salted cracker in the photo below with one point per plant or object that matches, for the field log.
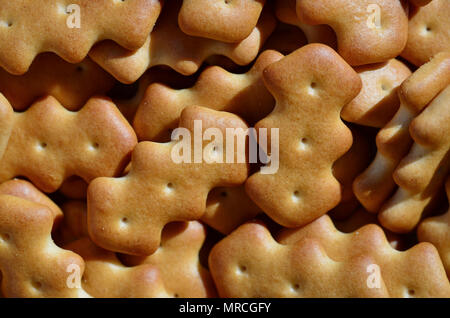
(128, 214)
(48, 143)
(186, 56)
(310, 86)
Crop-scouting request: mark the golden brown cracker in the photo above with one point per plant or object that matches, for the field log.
(227, 208)
(183, 53)
(310, 86)
(221, 20)
(177, 258)
(348, 167)
(128, 214)
(285, 11)
(49, 143)
(128, 105)
(249, 263)
(361, 218)
(106, 277)
(74, 225)
(6, 123)
(30, 27)
(74, 188)
(429, 32)
(422, 172)
(71, 84)
(378, 101)
(361, 38)
(26, 190)
(437, 231)
(285, 39)
(376, 183)
(417, 272)
(31, 264)
(242, 94)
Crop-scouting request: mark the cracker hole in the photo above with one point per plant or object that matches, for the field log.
(223, 194)
(303, 143)
(94, 146)
(242, 269)
(169, 187)
(42, 145)
(5, 237)
(296, 196)
(79, 68)
(428, 29)
(176, 295)
(312, 88)
(384, 87)
(5, 24)
(124, 221)
(411, 292)
(36, 284)
(227, 1)
(295, 287)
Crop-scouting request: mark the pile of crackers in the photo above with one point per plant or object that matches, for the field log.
(117, 178)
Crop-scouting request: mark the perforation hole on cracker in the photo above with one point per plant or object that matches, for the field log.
(5, 237)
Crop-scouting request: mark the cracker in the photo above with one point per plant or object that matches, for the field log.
(361, 218)
(310, 86)
(285, 11)
(186, 56)
(422, 172)
(249, 263)
(227, 208)
(360, 41)
(26, 190)
(417, 272)
(429, 32)
(74, 225)
(31, 27)
(106, 277)
(49, 143)
(285, 39)
(31, 264)
(374, 186)
(378, 101)
(216, 88)
(74, 188)
(348, 167)
(437, 231)
(128, 214)
(226, 21)
(178, 260)
(159, 74)
(71, 84)
(6, 123)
